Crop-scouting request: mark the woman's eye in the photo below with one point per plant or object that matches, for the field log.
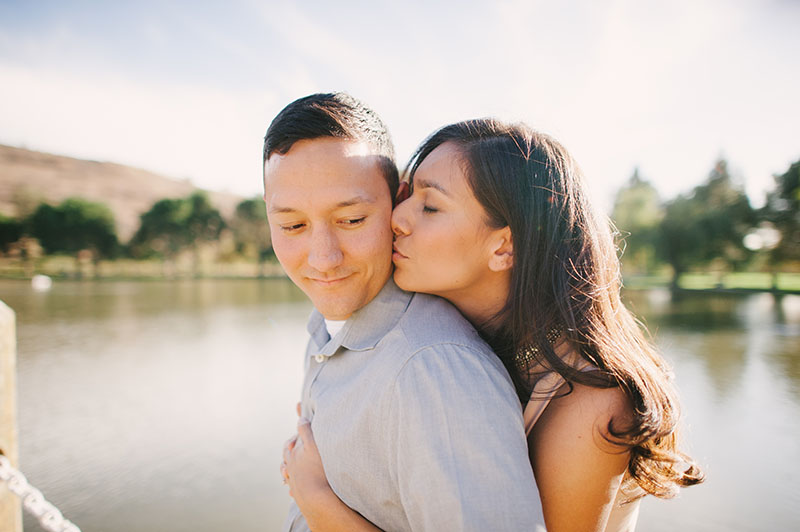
(428, 209)
(353, 221)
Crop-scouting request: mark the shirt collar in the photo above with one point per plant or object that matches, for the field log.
(365, 328)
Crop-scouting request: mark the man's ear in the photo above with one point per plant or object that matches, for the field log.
(403, 192)
(502, 257)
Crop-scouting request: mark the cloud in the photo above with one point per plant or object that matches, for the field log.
(209, 135)
(620, 83)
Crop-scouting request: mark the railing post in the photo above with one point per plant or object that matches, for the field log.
(10, 508)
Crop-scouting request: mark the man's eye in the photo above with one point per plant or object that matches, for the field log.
(292, 227)
(353, 221)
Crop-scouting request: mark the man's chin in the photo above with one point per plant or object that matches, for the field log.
(335, 314)
(334, 307)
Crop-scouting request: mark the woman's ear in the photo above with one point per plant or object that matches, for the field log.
(502, 257)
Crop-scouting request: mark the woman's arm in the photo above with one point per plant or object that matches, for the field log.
(308, 485)
(578, 472)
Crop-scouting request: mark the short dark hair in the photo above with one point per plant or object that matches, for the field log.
(336, 115)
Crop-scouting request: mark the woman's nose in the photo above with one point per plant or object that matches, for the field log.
(400, 225)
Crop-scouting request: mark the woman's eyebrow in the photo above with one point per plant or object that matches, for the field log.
(424, 183)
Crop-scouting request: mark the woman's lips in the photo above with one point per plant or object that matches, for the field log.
(396, 255)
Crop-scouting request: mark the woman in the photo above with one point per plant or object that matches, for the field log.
(500, 225)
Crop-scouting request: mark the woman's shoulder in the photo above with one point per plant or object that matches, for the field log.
(581, 404)
(573, 454)
(588, 411)
(594, 402)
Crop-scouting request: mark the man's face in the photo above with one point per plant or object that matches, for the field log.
(329, 209)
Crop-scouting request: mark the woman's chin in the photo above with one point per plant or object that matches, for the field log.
(405, 281)
(412, 283)
(399, 280)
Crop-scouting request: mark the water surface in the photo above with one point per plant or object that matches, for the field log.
(163, 406)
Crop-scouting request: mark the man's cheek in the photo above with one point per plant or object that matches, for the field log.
(284, 252)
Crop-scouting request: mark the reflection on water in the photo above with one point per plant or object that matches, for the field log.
(737, 364)
(157, 406)
(725, 332)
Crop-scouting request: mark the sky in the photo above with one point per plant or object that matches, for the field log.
(187, 89)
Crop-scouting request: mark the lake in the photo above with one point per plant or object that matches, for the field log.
(163, 406)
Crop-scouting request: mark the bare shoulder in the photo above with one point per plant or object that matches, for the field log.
(594, 402)
(573, 459)
(586, 413)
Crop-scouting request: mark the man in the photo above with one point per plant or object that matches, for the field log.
(415, 419)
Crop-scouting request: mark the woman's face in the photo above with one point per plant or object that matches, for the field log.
(443, 244)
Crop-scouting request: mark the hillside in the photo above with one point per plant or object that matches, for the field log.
(29, 177)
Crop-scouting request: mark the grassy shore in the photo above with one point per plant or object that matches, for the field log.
(740, 281)
(62, 267)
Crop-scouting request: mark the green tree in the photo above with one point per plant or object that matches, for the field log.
(162, 230)
(73, 226)
(204, 224)
(783, 211)
(637, 214)
(250, 230)
(708, 224)
(10, 231)
(172, 225)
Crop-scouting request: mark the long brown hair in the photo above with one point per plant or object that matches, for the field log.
(566, 278)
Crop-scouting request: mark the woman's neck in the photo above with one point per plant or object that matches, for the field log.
(481, 304)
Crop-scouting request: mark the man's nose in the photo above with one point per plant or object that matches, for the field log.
(325, 253)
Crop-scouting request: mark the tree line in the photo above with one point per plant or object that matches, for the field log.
(713, 226)
(86, 229)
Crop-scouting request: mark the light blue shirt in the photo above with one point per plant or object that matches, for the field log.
(416, 420)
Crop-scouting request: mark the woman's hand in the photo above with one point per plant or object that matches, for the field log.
(302, 469)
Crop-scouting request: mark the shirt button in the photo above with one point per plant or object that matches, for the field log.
(320, 358)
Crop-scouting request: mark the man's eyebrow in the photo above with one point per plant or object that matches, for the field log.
(281, 210)
(356, 200)
(424, 183)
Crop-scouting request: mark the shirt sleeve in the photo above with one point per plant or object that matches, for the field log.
(458, 448)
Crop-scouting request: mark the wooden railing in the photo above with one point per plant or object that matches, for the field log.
(10, 508)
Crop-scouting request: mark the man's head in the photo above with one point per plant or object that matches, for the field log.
(329, 180)
(335, 115)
